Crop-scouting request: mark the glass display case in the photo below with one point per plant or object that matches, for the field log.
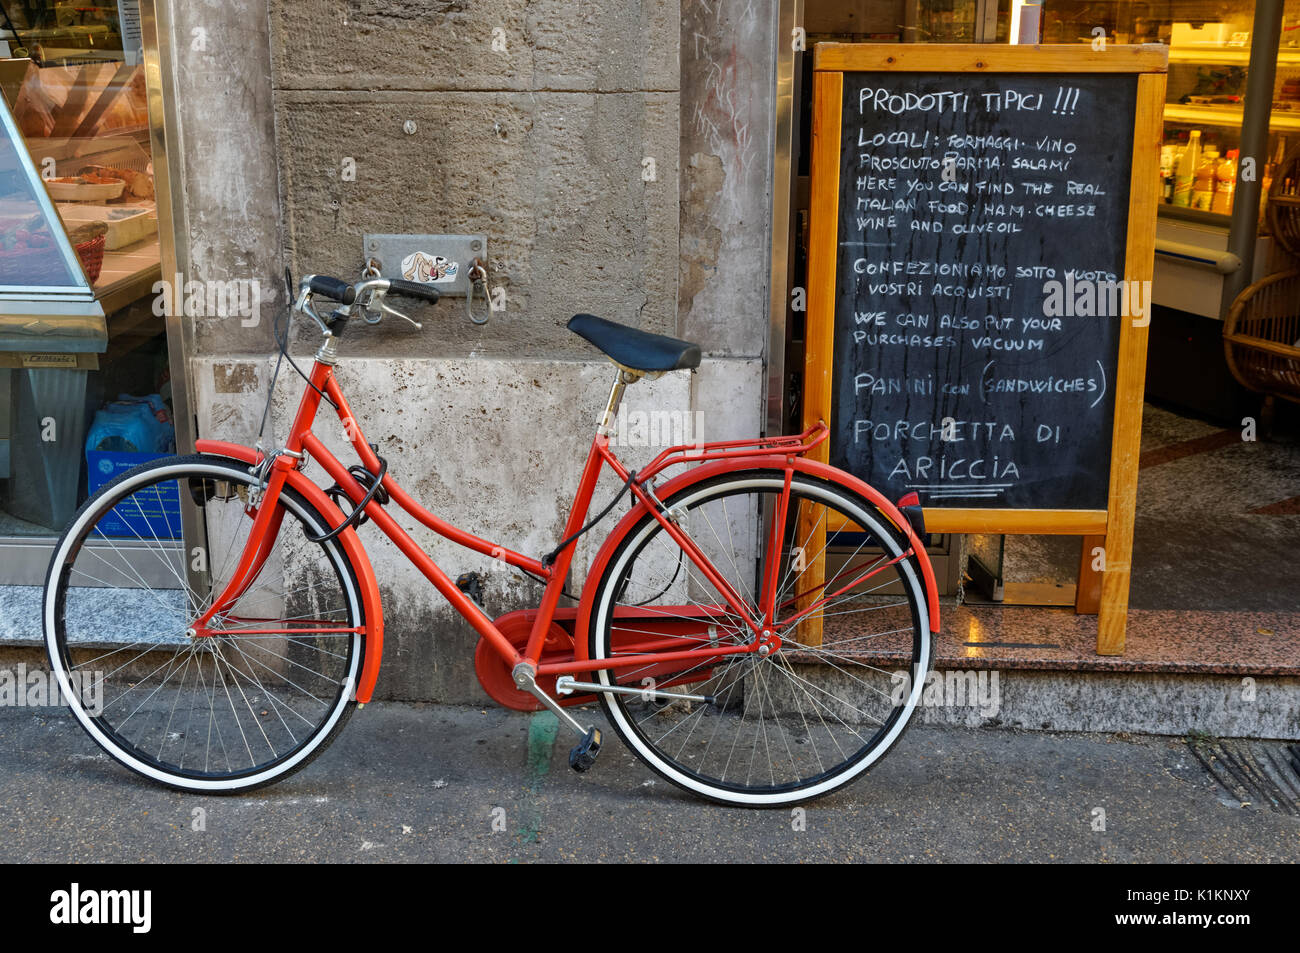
(78, 96)
(79, 255)
(36, 257)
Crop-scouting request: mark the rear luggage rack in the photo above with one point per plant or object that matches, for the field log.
(791, 446)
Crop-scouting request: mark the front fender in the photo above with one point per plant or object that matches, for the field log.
(356, 553)
(707, 471)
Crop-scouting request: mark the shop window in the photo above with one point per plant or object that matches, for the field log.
(83, 356)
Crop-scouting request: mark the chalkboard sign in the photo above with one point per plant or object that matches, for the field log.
(981, 237)
(972, 216)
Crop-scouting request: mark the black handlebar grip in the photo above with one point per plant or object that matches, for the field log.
(334, 288)
(413, 289)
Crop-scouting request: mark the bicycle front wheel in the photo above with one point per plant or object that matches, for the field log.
(253, 697)
(850, 611)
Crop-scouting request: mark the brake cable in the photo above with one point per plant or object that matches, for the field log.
(549, 558)
(270, 391)
(282, 343)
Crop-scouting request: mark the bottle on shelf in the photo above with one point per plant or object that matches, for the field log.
(1225, 183)
(1168, 157)
(1203, 183)
(1185, 174)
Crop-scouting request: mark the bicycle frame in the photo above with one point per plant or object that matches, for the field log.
(285, 469)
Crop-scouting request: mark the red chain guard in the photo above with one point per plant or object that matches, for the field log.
(494, 672)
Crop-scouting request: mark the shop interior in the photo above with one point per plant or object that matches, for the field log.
(74, 88)
(1214, 582)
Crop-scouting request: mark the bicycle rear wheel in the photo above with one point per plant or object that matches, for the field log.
(245, 702)
(806, 719)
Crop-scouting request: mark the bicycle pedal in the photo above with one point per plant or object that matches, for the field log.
(583, 755)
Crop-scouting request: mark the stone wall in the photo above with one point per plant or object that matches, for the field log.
(229, 213)
(728, 63)
(550, 126)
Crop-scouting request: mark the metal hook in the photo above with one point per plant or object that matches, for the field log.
(373, 269)
(477, 275)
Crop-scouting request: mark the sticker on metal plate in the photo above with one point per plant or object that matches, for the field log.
(429, 269)
(444, 261)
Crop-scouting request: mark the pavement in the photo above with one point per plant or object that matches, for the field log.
(408, 782)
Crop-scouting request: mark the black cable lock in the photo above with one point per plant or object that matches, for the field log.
(358, 515)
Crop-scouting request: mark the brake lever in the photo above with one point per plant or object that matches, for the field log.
(388, 309)
(304, 306)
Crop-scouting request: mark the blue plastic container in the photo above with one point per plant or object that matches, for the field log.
(124, 434)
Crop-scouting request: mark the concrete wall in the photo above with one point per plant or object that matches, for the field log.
(541, 146)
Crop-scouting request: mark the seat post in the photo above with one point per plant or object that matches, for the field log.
(621, 379)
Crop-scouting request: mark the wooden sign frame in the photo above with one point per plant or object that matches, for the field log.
(1112, 527)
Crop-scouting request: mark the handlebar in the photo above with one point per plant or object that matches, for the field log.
(412, 289)
(334, 288)
(358, 299)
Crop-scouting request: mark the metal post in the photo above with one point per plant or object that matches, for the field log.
(1260, 76)
(789, 16)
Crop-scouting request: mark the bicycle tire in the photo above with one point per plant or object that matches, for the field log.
(72, 543)
(619, 707)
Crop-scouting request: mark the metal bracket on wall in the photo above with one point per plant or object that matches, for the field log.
(443, 261)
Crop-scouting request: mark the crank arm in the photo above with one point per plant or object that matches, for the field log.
(583, 755)
(525, 678)
(565, 685)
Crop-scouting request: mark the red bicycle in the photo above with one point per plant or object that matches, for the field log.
(733, 659)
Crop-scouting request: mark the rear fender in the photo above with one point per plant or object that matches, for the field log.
(709, 470)
(356, 553)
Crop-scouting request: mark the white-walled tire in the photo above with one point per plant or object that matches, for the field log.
(798, 723)
(222, 713)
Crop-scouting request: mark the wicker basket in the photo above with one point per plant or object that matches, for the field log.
(91, 254)
(1261, 334)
